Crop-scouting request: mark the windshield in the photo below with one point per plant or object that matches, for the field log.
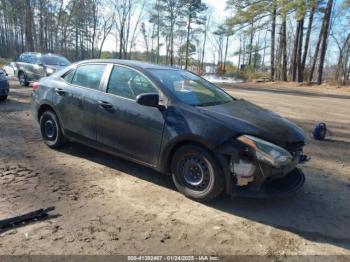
(191, 89)
(55, 60)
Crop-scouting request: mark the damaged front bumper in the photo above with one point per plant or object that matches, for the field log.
(248, 177)
(272, 187)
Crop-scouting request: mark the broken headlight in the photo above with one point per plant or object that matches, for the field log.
(267, 152)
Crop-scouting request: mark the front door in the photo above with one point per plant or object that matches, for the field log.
(125, 127)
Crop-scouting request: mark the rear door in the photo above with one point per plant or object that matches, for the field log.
(75, 97)
(125, 127)
(29, 67)
(38, 70)
(21, 63)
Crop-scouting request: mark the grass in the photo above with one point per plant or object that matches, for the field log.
(3, 62)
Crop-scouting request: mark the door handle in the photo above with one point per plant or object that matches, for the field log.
(105, 105)
(60, 91)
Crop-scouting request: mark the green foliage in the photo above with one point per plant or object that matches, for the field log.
(191, 49)
(230, 69)
(250, 74)
(248, 10)
(3, 62)
(106, 55)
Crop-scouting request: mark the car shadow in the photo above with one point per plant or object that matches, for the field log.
(12, 105)
(118, 164)
(316, 213)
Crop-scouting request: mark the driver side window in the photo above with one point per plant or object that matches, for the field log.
(128, 83)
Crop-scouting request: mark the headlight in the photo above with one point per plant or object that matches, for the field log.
(50, 71)
(267, 152)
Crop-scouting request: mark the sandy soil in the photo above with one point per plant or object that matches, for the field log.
(107, 205)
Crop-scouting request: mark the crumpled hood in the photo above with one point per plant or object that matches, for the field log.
(244, 117)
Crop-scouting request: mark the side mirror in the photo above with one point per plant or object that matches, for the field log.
(148, 99)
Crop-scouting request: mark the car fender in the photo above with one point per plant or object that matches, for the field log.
(48, 103)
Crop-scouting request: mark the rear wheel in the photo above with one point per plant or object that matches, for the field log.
(22, 78)
(196, 173)
(51, 131)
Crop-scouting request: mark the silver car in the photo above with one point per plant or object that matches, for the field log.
(30, 67)
(10, 69)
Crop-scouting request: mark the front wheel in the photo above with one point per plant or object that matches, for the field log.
(51, 131)
(196, 173)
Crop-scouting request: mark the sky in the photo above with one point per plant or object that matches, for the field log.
(217, 5)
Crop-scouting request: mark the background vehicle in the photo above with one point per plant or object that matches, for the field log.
(33, 66)
(4, 86)
(175, 122)
(10, 69)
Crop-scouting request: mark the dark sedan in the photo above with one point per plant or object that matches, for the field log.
(175, 122)
(4, 86)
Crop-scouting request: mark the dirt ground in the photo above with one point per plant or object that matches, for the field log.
(107, 205)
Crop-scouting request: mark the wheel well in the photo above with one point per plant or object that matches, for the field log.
(44, 108)
(20, 71)
(177, 146)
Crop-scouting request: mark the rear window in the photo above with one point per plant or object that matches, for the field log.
(55, 60)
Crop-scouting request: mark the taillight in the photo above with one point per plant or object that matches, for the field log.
(35, 85)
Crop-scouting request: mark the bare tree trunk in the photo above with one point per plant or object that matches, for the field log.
(95, 18)
(323, 32)
(307, 41)
(251, 42)
(264, 53)
(188, 39)
(226, 49)
(239, 53)
(172, 40)
(273, 35)
(121, 41)
(244, 50)
(299, 52)
(284, 49)
(326, 18)
(317, 49)
(158, 32)
(28, 26)
(204, 44)
(295, 51)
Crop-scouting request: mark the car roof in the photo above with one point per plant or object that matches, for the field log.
(30, 53)
(131, 63)
(40, 54)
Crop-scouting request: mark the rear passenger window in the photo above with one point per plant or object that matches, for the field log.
(88, 76)
(69, 76)
(128, 83)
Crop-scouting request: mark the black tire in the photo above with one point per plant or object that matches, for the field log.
(51, 131)
(22, 78)
(196, 173)
(3, 98)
